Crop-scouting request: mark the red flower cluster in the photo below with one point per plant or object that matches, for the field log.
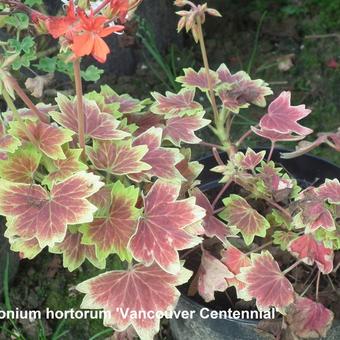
(85, 32)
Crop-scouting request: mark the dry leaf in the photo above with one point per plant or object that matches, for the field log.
(37, 84)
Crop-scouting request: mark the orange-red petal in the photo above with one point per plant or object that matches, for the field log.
(100, 49)
(83, 44)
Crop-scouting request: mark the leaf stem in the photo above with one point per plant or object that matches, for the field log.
(295, 264)
(221, 192)
(243, 137)
(317, 286)
(207, 68)
(21, 93)
(17, 116)
(80, 109)
(259, 248)
(271, 151)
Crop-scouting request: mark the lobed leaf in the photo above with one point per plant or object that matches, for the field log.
(139, 289)
(34, 212)
(265, 282)
(160, 232)
(112, 233)
(240, 215)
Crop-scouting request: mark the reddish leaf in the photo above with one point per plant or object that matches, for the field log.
(238, 90)
(282, 117)
(140, 289)
(160, 232)
(313, 212)
(33, 212)
(181, 129)
(250, 160)
(98, 125)
(212, 276)
(308, 249)
(330, 191)
(21, 166)
(111, 234)
(145, 121)
(119, 158)
(283, 238)
(212, 225)
(63, 168)
(26, 113)
(48, 138)
(102, 200)
(176, 104)
(193, 79)
(275, 136)
(8, 143)
(126, 103)
(162, 160)
(309, 319)
(240, 215)
(234, 259)
(75, 253)
(265, 282)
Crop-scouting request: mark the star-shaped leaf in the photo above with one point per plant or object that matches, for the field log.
(212, 276)
(162, 160)
(283, 117)
(111, 234)
(118, 157)
(240, 215)
(48, 138)
(182, 129)
(137, 289)
(126, 103)
(27, 249)
(309, 319)
(179, 104)
(265, 282)
(99, 125)
(75, 253)
(33, 212)
(211, 224)
(160, 232)
(239, 90)
(193, 79)
(21, 166)
(307, 248)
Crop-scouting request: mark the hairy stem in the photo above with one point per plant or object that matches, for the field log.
(80, 109)
(317, 286)
(259, 248)
(207, 68)
(243, 137)
(21, 93)
(295, 264)
(221, 192)
(271, 151)
(17, 116)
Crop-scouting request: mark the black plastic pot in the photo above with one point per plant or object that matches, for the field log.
(306, 169)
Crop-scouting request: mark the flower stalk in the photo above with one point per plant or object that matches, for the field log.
(80, 109)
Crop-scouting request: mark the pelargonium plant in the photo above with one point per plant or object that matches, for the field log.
(101, 173)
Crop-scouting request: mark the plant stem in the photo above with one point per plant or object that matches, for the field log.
(211, 145)
(80, 110)
(101, 6)
(278, 207)
(207, 68)
(295, 264)
(271, 151)
(217, 156)
(317, 286)
(243, 137)
(259, 248)
(17, 116)
(21, 93)
(221, 192)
